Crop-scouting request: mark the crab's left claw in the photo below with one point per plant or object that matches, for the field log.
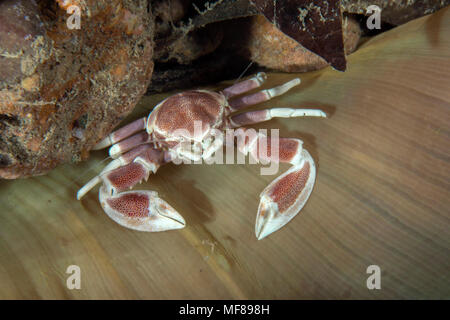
(140, 210)
(282, 199)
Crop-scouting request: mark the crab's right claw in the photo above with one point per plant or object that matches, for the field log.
(140, 210)
(282, 199)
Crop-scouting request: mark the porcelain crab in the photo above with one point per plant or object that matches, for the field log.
(142, 146)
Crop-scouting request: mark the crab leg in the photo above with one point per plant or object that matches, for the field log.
(129, 143)
(245, 86)
(141, 210)
(138, 210)
(284, 197)
(252, 117)
(122, 133)
(116, 163)
(262, 95)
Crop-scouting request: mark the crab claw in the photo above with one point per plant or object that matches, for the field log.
(284, 197)
(140, 210)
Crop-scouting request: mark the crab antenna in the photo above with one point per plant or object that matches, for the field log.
(88, 186)
(91, 168)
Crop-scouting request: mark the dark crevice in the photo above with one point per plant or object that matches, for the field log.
(5, 160)
(81, 122)
(10, 120)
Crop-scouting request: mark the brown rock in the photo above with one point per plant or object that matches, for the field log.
(61, 89)
(170, 11)
(315, 24)
(190, 47)
(269, 47)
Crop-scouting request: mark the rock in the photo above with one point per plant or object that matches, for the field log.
(167, 14)
(176, 43)
(271, 48)
(61, 89)
(315, 24)
(188, 48)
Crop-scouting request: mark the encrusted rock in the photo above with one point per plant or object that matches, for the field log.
(61, 89)
(269, 47)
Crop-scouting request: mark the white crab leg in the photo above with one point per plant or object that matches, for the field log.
(263, 95)
(245, 85)
(257, 116)
(140, 210)
(284, 197)
(122, 133)
(124, 159)
(129, 143)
